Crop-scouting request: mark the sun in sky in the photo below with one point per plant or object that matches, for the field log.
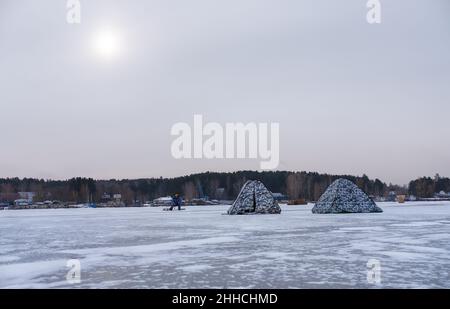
(107, 44)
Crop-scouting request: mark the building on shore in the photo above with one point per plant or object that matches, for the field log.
(280, 197)
(162, 201)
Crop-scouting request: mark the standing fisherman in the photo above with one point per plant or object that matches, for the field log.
(176, 201)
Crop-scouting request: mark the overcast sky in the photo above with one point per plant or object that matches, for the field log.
(350, 97)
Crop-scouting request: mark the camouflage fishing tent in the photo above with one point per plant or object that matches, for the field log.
(254, 198)
(343, 196)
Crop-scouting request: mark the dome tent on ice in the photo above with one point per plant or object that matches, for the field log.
(254, 198)
(343, 196)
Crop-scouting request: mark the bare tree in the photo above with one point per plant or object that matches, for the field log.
(189, 190)
(293, 186)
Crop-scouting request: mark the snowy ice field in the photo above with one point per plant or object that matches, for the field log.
(201, 248)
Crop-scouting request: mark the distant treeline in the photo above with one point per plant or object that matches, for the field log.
(426, 187)
(223, 186)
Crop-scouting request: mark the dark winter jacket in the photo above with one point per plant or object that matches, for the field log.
(176, 201)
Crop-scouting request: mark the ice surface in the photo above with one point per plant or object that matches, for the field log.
(201, 248)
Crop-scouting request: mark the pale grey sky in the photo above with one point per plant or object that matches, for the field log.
(350, 97)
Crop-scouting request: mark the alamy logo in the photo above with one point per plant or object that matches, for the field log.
(374, 14)
(373, 271)
(234, 141)
(73, 12)
(73, 276)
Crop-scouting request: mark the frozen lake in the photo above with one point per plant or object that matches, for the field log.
(201, 248)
